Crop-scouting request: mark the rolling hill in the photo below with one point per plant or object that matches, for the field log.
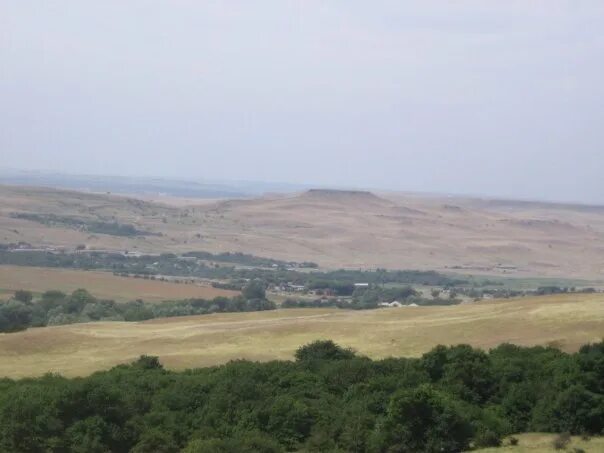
(333, 228)
(565, 321)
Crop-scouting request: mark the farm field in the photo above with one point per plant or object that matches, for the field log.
(101, 284)
(566, 321)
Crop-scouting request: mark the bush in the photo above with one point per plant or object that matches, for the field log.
(254, 290)
(23, 296)
(487, 438)
(56, 308)
(323, 350)
(423, 420)
(561, 441)
(148, 362)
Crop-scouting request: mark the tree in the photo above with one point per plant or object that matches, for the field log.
(14, 316)
(253, 442)
(148, 362)
(155, 441)
(78, 300)
(254, 290)
(28, 419)
(575, 410)
(24, 296)
(289, 421)
(323, 350)
(422, 420)
(462, 369)
(89, 435)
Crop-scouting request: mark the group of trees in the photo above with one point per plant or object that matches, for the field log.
(55, 308)
(248, 260)
(329, 399)
(504, 293)
(340, 281)
(112, 228)
(364, 298)
(552, 289)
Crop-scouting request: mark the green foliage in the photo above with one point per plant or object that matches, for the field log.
(23, 296)
(92, 226)
(340, 281)
(574, 409)
(254, 290)
(147, 362)
(155, 441)
(254, 442)
(449, 400)
(422, 420)
(323, 350)
(56, 308)
(246, 259)
(14, 316)
(561, 441)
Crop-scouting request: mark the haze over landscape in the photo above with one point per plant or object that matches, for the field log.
(470, 98)
(301, 226)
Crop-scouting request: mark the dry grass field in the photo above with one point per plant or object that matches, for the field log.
(101, 284)
(566, 321)
(543, 443)
(334, 229)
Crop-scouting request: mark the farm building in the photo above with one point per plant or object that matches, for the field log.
(394, 304)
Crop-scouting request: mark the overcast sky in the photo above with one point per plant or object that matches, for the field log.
(481, 97)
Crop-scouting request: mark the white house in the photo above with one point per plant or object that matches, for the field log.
(394, 304)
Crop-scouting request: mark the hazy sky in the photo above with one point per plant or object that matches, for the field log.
(487, 97)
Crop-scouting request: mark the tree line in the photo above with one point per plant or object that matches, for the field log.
(56, 308)
(92, 226)
(329, 399)
(170, 264)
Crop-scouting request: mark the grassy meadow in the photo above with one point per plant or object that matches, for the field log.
(543, 443)
(564, 321)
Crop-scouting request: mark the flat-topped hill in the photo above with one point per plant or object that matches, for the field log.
(339, 194)
(334, 228)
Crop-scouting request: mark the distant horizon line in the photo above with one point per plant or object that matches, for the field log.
(292, 187)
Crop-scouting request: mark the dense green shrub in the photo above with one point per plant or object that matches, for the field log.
(56, 308)
(329, 399)
(323, 350)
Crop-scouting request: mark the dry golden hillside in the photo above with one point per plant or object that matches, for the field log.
(566, 321)
(335, 229)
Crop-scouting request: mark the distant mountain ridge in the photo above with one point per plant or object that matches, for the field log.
(146, 185)
(334, 228)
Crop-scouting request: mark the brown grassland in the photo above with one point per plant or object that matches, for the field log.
(334, 229)
(543, 443)
(566, 321)
(101, 284)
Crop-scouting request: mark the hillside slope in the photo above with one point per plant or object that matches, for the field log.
(566, 321)
(334, 228)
